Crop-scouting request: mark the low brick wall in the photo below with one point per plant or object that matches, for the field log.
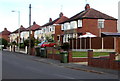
(54, 56)
(108, 62)
(100, 62)
(74, 59)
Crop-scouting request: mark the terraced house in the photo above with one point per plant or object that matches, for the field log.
(88, 21)
(52, 29)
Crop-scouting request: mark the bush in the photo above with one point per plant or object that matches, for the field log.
(26, 42)
(3, 42)
(21, 45)
(65, 46)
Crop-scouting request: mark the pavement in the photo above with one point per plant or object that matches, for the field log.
(76, 66)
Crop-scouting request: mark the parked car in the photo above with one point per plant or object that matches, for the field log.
(48, 44)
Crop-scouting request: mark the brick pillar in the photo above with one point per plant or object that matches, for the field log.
(112, 59)
(48, 51)
(32, 51)
(53, 53)
(69, 56)
(90, 56)
(118, 45)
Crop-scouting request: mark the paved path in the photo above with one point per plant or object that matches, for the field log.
(20, 66)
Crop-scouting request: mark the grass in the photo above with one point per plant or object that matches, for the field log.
(57, 52)
(84, 54)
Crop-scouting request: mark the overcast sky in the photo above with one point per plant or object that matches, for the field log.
(42, 10)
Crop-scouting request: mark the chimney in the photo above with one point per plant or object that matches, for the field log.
(87, 7)
(34, 23)
(5, 29)
(61, 14)
(21, 26)
(50, 20)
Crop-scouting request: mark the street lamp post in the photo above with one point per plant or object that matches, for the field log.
(18, 27)
(30, 29)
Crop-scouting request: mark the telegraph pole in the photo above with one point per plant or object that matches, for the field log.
(30, 29)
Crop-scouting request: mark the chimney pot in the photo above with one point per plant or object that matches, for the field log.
(50, 20)
(34, 23)
(87, 7)
(5, 28)
(61, 14)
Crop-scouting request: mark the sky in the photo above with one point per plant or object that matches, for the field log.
(42, 10)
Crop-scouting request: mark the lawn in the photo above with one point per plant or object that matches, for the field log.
(84, 54)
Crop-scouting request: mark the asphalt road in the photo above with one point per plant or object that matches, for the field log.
(20, 66)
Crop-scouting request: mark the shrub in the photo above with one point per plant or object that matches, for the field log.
(3, 42)
(26, 42)
(65, 46)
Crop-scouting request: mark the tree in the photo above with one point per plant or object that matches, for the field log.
(3, 42)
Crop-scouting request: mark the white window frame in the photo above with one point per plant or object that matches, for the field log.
(53, 28)
(101, 23)
(79, 23)
(62, 26)
(73, 24)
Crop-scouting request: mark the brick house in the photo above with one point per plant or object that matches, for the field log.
(51, 29)
(15, 34)
(88, 20)
(5, 34)
(33, 28)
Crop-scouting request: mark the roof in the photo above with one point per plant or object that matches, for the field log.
(56, 21)
(34, 27)
(90, 14)
(5, 32)
(104, 34)
(21, 29)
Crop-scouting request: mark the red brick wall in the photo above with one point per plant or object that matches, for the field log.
(54, 56)
(6, 37)
(70, 58)
(118, 45)
(57, 31)
(80, 59)
(108, 63)
(91, 25)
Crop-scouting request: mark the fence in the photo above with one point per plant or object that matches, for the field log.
(93, 43)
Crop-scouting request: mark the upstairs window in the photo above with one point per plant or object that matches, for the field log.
(66, 26)
(50, 29)
(53, 28)
(62, 27)
(73, 24)
(101, 23)
(79, 23)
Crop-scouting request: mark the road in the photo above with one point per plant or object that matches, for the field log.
(20, 66)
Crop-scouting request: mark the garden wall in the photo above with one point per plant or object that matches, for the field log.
(108, 63)
(51, 53)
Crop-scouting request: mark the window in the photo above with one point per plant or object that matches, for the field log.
(79, 23)
(47, 29)
(50, 29)
(62, 27)
(53, 28)
(43, 30)
(101, 23)
(73, 24)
